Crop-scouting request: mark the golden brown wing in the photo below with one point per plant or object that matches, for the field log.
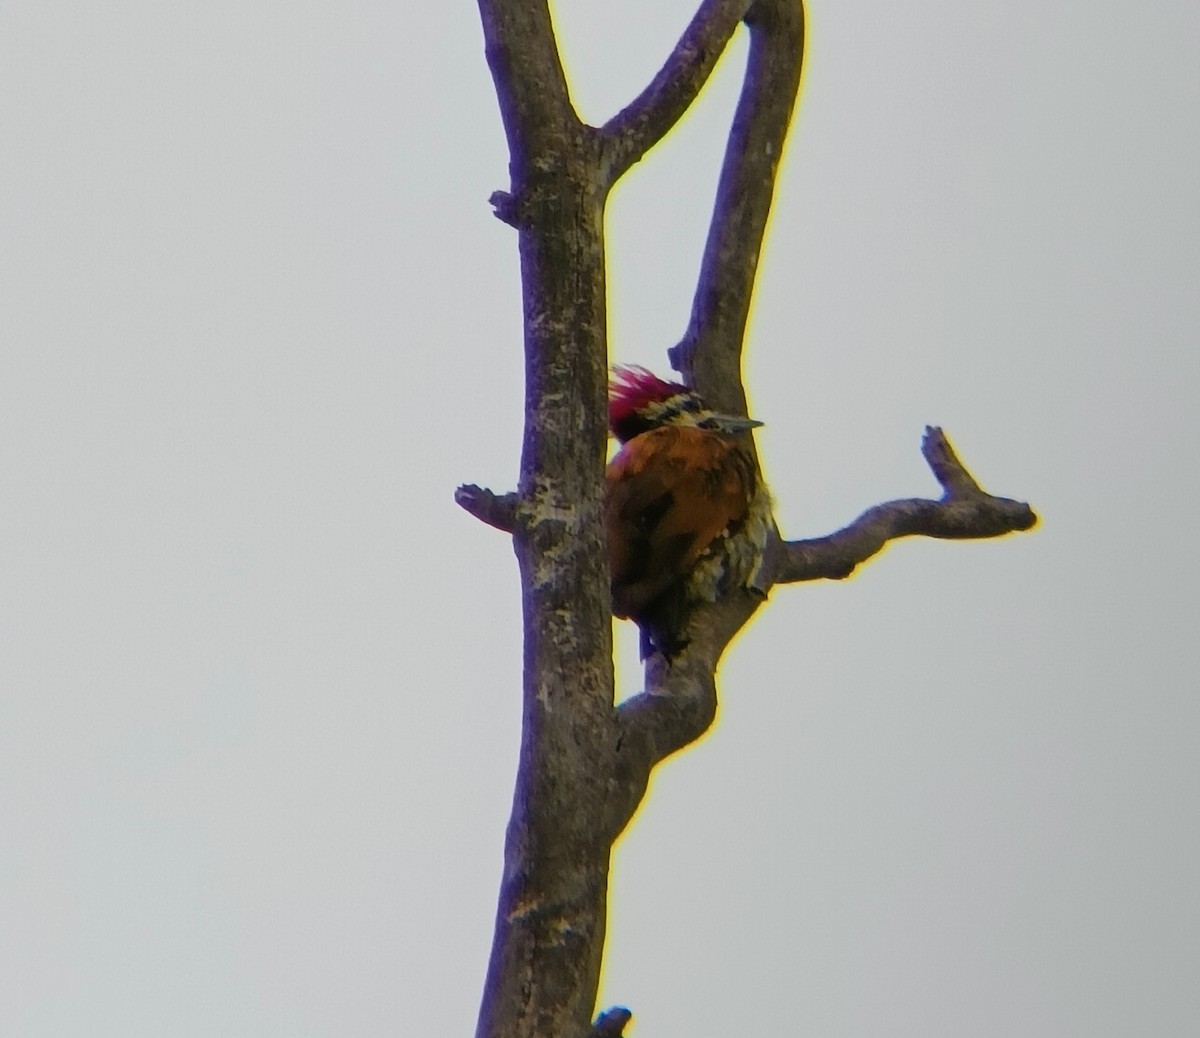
(671, 492)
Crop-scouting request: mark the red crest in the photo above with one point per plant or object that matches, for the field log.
(632, 388)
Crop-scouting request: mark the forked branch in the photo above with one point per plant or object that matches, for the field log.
(965, 511)
(585, 763)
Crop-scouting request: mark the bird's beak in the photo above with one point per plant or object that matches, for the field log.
(727, 423)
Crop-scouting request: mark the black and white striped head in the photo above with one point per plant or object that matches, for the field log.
(638, 401)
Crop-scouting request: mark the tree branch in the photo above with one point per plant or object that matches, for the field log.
(678, 706)
(709, 356)
(549, 932)
(499, 511)
(518, 42)
(633, 131)
(680, 700)
(965, 511)
(585, 765)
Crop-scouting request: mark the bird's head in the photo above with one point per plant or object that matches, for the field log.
(638, 401)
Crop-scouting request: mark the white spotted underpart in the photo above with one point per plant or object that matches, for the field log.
(733, 560)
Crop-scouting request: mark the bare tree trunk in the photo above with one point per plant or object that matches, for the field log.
(585, 763)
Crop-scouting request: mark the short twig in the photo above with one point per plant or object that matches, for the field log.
(498, 510)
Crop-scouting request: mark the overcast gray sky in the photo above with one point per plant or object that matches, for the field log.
(259, 678)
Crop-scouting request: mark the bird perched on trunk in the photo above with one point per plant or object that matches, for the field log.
(685, 513)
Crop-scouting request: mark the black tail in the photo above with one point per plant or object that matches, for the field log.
(662, 622)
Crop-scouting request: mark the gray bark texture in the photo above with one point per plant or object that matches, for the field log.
(584, 762)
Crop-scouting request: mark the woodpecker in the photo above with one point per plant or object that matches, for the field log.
(685, 513)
